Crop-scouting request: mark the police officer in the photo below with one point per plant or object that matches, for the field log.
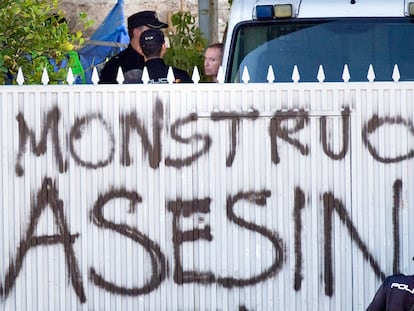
(396, 293)
(131, 59)
(153, 47)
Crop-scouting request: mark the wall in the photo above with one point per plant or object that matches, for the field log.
(204, 197)
(97, 10)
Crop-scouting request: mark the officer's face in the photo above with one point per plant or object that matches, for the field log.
(137, 34)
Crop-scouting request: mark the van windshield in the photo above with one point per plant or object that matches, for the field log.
(357, 42)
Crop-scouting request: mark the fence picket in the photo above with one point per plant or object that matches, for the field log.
(396, 74)
(95, 76)
(270, 74)
(45, 77)
(196, 75)
(345, 74)
(70, 78)
(321, 74)
(120, 76)
(245, 75)
(371, 73)
(20, 77)
(295, 74)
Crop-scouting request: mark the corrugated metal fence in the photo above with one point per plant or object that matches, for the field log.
(204, 197)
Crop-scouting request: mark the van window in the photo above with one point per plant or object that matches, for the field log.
(357, 42)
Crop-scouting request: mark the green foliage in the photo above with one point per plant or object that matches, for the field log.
(32, 33)
(187, 44)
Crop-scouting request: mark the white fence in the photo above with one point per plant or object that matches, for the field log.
(244, 75)
(204, 197)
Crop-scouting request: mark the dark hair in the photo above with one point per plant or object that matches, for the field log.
(151, 42)
(152, 50)
(217, 46)
(131, 31)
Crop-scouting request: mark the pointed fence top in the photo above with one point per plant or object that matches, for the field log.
(70, 78)
(295, 74)
(120, 76)
(245, 75)
(145, 76)
(345, 74)
(396, 74)
(196, 75)
(270, 74)
(45, 77)
(371, 73)
(20, 77)
(170, 75)
(95, 76)
(321, 74)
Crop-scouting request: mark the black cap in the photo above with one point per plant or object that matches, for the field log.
(145, 18)
(151, 37)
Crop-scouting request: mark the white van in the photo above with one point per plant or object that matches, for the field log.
(309, 33)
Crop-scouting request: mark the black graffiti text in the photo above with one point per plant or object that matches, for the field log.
(132, 126)
(48, 196)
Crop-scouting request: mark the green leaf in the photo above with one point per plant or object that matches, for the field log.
(33, 36)
(186, 44)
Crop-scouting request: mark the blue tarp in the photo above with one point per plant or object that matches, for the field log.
(109, 39)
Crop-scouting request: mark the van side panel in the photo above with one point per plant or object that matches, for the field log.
(344, 8)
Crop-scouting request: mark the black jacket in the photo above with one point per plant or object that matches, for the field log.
(158, 71)
(395, 294)
(129, 60)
